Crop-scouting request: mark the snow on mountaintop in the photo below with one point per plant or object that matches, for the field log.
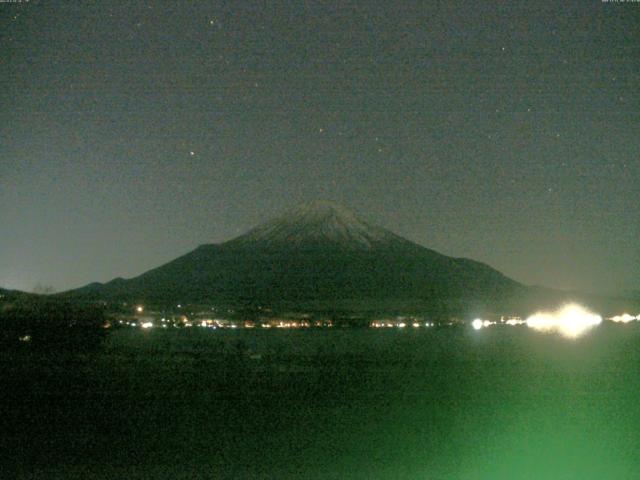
(319, 222)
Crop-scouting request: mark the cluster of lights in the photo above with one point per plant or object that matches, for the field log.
(288, 324)
(570, 321)
(624, 318)
(226, 324)
(383, 324)
(146, 325)
(512, 322)
(479, 323)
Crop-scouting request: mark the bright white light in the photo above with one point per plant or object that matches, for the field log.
(146, 325)
(402, 325)
(486, 323)
(139, 309)
(477, 324)
(571, 321)
(416, 324)
(624, 318)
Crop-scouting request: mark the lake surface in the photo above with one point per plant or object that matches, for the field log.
(452, 403)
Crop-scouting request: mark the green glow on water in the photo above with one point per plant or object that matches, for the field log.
(444, 404)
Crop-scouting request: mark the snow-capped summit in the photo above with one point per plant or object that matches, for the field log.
(319, 222)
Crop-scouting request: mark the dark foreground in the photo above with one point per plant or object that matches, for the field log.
(501, 403)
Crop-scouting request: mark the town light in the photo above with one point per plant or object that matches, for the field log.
(477, 324)
(624, 318)
(571, 321)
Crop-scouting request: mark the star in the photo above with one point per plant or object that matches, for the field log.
(192, 153)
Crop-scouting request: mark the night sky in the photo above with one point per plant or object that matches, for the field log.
(507, 132)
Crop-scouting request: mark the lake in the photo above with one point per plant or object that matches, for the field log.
(429, 403)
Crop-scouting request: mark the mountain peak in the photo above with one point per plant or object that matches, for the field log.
(318, 222)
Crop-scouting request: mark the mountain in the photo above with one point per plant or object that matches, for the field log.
(319, 255)
(9, 296)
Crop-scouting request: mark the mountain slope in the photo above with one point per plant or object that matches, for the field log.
(318, 253)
